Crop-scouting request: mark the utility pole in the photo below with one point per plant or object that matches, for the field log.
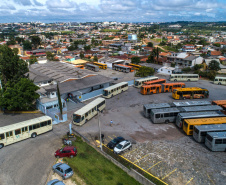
(99, 130)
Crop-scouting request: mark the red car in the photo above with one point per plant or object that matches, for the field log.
(68, 151)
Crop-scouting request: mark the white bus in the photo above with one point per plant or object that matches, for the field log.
(201, 131)
(92, 67)
(216, 141)
(184, 77)
(84, 114)
(220, 80)
(139, 82)
(12, 133)
(191, 115)
(115, 89)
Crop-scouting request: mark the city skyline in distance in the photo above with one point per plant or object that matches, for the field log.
(115, 10)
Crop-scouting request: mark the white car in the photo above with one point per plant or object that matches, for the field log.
(122, 146)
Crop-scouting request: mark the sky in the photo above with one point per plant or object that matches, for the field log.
(112, 10)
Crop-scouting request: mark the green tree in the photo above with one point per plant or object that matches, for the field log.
(186, 69)
(81, 55)
(214, 65)
(36, 41)
(135, 60)
(150, 44)
(33, 59)
(49, 55)
(145, 71)
(95, 58)
(163, 43)
(86, 48)
(198, 66)
(216, 44)
(27, 45)
(19, 40)
(19, 96)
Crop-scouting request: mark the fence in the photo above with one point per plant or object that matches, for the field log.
(54, 114)
(90, 95)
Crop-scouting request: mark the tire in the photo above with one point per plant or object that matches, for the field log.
(175, 80)
(184, 98)
(112, 95)
(188, 80)
(33, 135)
(167, 121)
(1, 146)
(57, 156)
(86, 121)
(130, 147)
(219, 83)
(71, 156)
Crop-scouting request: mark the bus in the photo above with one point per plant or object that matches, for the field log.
(189, 124)
(164, 115)
(191, 115)
(101, 65)
(115, 89)
(220, 80)
(191, 103)
(135, 66)
(221, 103)
(12, 133)
(201, 131)
(92, 67)
(84, 114)
(200, 108)
(169, 87)
(190, 93)
(216, 141)
(184, 77)
(123, 68)
(148, 107)
(139, 82)
(159, 81)
(159, 88)
(79, 66)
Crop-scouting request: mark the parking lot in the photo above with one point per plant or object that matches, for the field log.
(161, 149)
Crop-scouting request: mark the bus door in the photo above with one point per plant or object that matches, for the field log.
(148, 90)
(9, 137)
(18, 135)
(25, 133)
(157, 90)
(170, 88)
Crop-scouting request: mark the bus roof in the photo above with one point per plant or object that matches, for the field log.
(152, 85)
(91, 65)
(206, 120)
(134, 64)
(153, 81)
(191, 103)
(190, 89)
(100, 63)
(22, 124)
(89, 106)
(207, 128)
(184, 75)
(165, 110)
(222, 77)
(115, 86)
(201, 108)
(148, 78)
(219, 102)
(174, 83)
(123, 66)
(217, 134)
(200, 114)
(157, 106)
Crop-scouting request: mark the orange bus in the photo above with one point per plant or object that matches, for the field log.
(221, 103)
(169, 87)
(80, 66)
(159, 81)
(151, 89)
(123, 68)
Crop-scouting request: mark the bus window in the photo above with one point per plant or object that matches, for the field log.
(17, 131)
(9, 134)
(157, 116)
(77, 118)
(209, 138)
(2, 136)
(218, 141)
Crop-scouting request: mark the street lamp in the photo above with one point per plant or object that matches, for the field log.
(99, 129)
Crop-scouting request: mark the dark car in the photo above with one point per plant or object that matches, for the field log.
(114, 142)
(68, 151)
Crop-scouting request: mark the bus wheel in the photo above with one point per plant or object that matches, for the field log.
(175, 80)
(184, 98)
(33, 135)
(188, 80)
(167, 121)
(1, 146)
(219, 83)
(86, 121)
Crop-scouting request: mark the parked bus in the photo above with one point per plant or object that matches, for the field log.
(191, 115)
(92, 67)
(189, 124)
(221, 103)
(190, 93)
(84, 114)
(139, 82)
(216, 141)
(79, 66)
(220, 80)
(123, 68)
(148, 107)
(159, 88)
(135, 66)
(191, 103)
(152, 82)
(12, 133)
(115, 89)
(201, 131)
(101, 65)
(164, 115)
(184, 77)
(200, 108)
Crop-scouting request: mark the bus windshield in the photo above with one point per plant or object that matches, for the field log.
(136, 83)
(77, 118)
(174, 91)
(105, 93)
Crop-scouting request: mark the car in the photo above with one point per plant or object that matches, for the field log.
(55, 182)
(122, 146)
(114, 142)
(63, 170)
(68, 151)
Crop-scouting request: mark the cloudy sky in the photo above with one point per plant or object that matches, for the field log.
(112, 10)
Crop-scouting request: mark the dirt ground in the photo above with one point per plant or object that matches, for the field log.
(163, 149)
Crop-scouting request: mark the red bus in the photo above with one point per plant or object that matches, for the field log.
(159, 81)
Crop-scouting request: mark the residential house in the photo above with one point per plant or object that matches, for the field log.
(188, 48)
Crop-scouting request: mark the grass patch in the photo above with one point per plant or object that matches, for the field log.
(109, 30)
(95, 169)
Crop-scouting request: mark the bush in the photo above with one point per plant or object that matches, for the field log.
(211, 74)
(173, 64)
(186, 69)
(198, 66)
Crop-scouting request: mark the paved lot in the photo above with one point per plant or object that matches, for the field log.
(30, 161)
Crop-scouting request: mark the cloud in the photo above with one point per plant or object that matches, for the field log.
(23, 2)
(37, 3)
(60, 4)
(7, 7)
